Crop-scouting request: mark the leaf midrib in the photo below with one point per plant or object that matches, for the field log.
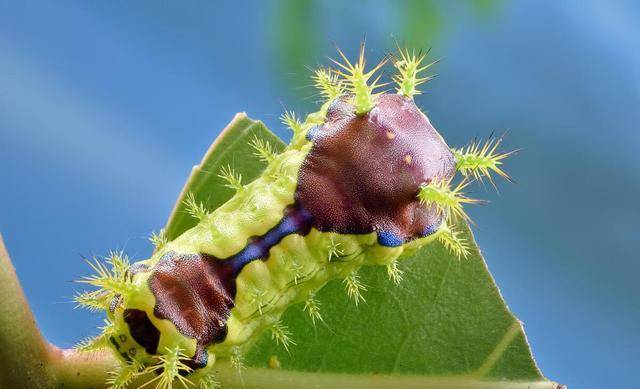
(253, 377)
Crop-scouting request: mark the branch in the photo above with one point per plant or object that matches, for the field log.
(27, 360)
(23, 351)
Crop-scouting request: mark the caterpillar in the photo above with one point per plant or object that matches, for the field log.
(364, 180)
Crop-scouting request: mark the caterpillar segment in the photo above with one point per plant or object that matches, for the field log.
(364, 180)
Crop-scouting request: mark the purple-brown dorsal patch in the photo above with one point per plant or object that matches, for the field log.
(363, 173)
(195, 292)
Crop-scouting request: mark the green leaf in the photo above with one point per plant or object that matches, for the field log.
(445, 325)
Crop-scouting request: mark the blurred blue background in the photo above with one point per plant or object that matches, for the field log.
(105, 107)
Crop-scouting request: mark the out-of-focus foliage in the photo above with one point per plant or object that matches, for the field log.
(298, 25)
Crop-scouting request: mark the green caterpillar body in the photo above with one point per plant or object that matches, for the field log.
(363, 181)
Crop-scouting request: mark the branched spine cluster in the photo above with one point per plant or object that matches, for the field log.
(409, 66)
(194, 207)
(159, 239)
(209, 382)
(111, 278)
(354, 288)
(263, 150)
(480, 158)
(232, 179)
(394, 272)
(97, 342)
(168, 368)
(312, 307)
(328, 83)
(356, 80)
(290, 120)
(122, 377)
(452, 240)
(448, 200)
(281, 334)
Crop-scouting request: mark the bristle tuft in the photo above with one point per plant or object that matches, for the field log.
(233, 180)
(97, 342)
(409, 67)
(354, 288)
(194, 207)
(449, 201)
(290, 120)
(263, 150)
(257, 299)
(122, 377)
(328, 83)
(159, 239)
(91, 344)
(110, 282)
(281, 334)
(209, 382)
(296, 269)
(451, 239)
(480, 158)
(394, 272)
(168, 368)
(312, 307)
(237, 362)
(356, 80)
(94, 301)
(334, 251)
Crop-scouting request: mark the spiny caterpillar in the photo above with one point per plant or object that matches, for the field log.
(364, 180)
